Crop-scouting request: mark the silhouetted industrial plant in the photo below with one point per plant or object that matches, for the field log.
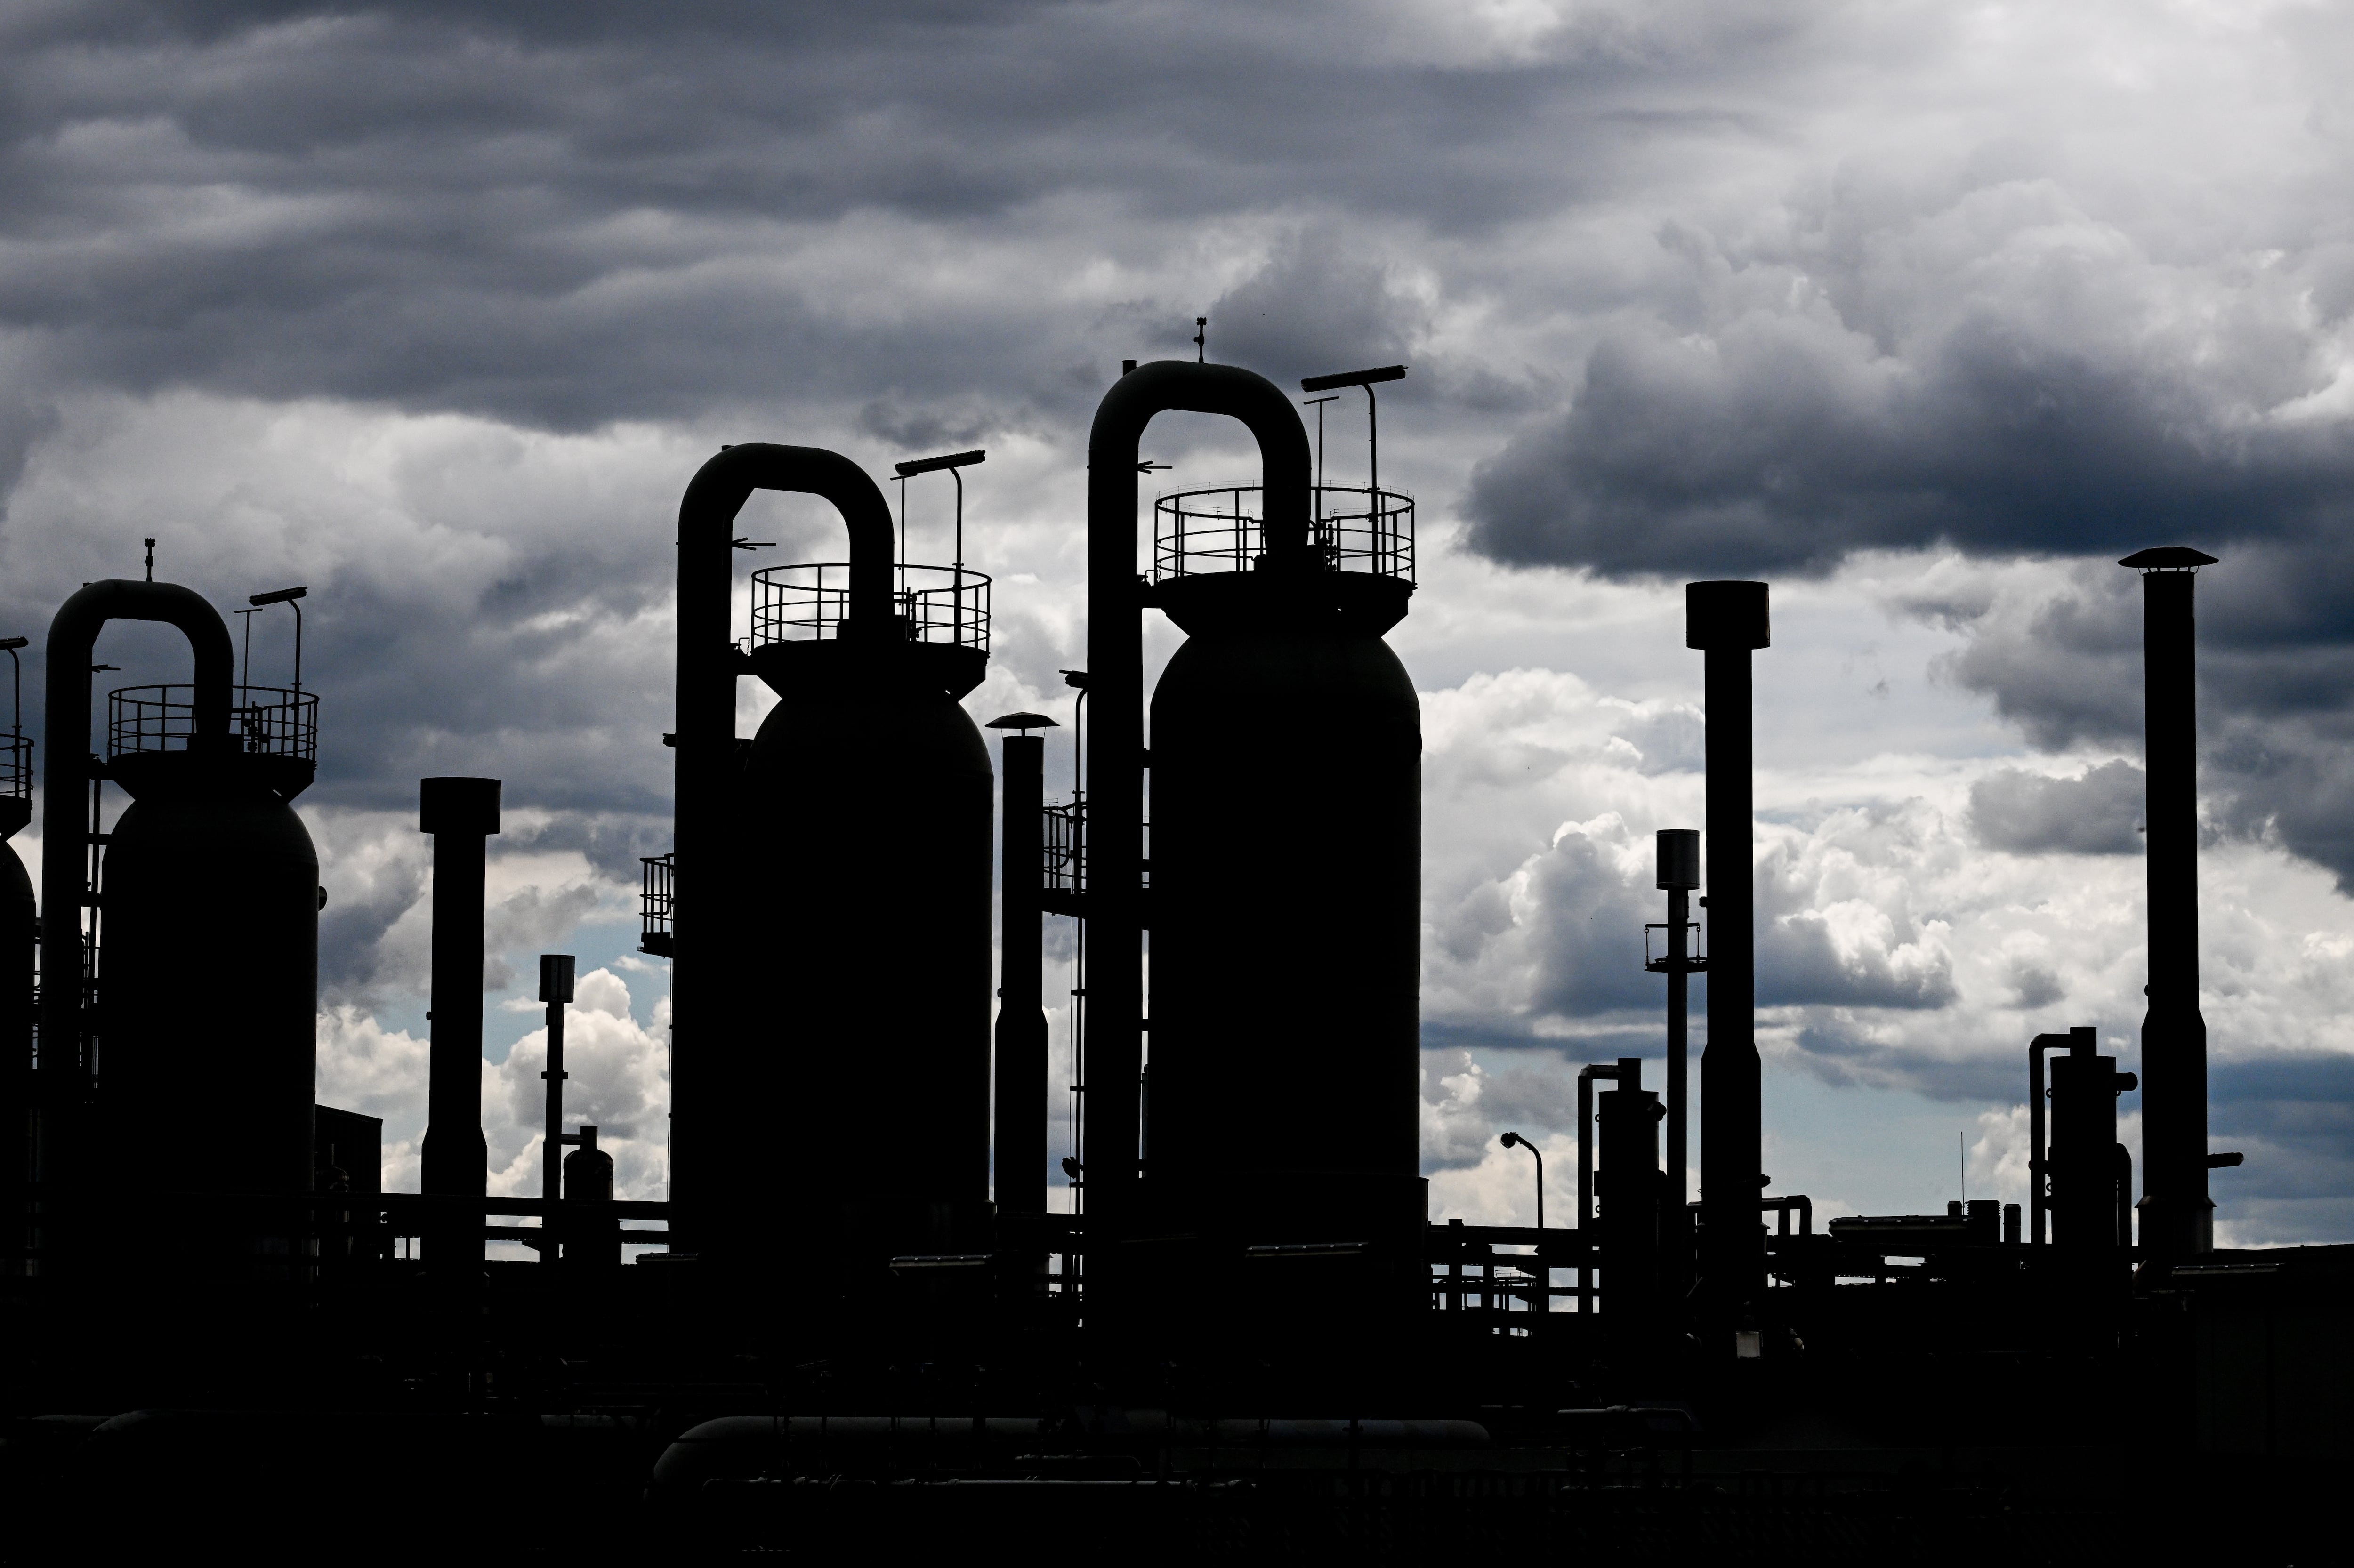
(1239, 1335)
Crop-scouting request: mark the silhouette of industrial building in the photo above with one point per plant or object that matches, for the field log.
(1241, 1337)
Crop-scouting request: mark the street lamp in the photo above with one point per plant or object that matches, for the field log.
(1514, 1140)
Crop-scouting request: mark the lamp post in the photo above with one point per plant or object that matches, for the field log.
(952, 462)
(1514, 1140)
(290, 596)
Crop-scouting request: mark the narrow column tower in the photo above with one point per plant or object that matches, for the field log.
(2178, 1219)
(1020, 1119)
(1678, 878)
(460, 814)
(1727, 621)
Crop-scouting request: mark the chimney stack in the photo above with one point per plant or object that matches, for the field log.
(2178, 1220)
(460, 814)
(1727, 621)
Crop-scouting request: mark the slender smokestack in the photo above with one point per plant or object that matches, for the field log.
(1021, 1112)
(2177, 1217)
(1678, 868)
(1726, 620)
(460, 813)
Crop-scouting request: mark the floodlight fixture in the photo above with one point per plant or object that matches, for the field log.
(293, 597)
(952, 462)
(1366, 379)
(915, 466)
(1353, 378)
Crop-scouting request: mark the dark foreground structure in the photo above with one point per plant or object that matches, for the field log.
(1246, 1341)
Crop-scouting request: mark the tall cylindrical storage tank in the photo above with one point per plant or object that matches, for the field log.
(1285, 909)
(208, 989)
(832, 920)
(868, 807)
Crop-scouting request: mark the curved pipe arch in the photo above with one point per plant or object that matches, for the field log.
(708, 664)
(1116, 678)
(65, 837)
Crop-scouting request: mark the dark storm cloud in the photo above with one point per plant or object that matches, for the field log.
(564, 217)
(1842, 1052)
(2276, 685)
(2292, 1115)
(1781, 446)
(1314, 300)
(2028, 813)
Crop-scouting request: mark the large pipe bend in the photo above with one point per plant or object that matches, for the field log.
(66, 772)
(706, 573)
(1168, 385)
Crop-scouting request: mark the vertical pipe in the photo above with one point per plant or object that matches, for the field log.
(1586, 1227)
(460, 814)
(1021, 1114)
(555, 990)
(1679, 1038)
(2178, 1218)
(1679, 876)
(1727, 620)
(2039, 1163)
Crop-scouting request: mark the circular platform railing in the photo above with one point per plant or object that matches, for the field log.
(804, 603)
(264, 721)
(1353, 529)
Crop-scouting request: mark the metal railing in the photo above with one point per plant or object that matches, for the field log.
(1065, 867)
(1695, 960)
(1353, 529)
(265, 721)
(810, 600)
(15, 767)
(1065, 863)
(655, 903)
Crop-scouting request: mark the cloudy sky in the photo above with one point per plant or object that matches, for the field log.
(1924, 312)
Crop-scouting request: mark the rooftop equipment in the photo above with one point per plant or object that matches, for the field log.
(2178, 1218)
(1727, 620)
(1630, 1190)
(2091, 1219)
